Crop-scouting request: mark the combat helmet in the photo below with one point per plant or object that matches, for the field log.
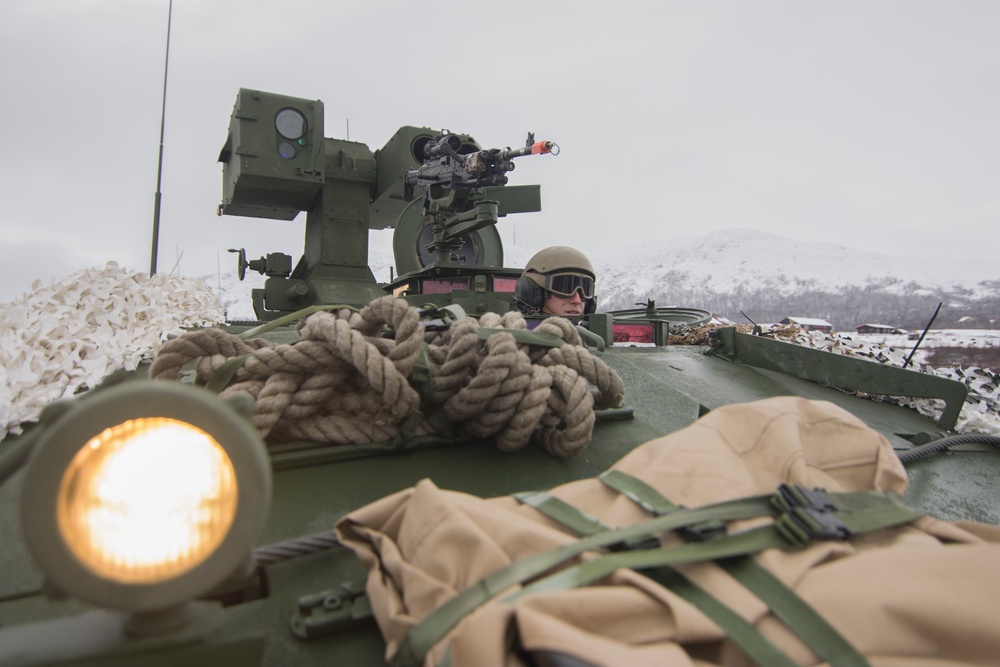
(559, 270)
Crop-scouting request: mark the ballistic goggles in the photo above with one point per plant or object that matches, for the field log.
(565, 284)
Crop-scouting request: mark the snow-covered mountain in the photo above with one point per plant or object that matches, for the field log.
(756, 260)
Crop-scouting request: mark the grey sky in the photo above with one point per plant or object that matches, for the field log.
(868, 123)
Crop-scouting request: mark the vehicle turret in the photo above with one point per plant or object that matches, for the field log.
(441, 192)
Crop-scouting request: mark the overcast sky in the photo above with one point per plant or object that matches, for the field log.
(870, 123)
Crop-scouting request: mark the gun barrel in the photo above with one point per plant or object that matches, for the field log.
(536, 148)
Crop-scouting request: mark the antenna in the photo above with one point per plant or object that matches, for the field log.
(348, 128)
(159, 166)
(921, 339)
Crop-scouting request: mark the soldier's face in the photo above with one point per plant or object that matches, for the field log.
(564, 306)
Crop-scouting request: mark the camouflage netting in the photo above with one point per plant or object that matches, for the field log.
(63, 338)
(980, 414)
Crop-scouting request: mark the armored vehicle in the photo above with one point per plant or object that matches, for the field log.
(188, 519)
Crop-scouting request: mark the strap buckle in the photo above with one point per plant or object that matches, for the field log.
(440, 318)
(703, 531)
(796, 495)
(636, 544)
(808, 514)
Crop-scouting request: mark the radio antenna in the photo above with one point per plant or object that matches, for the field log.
(159, 166)
(921, 339)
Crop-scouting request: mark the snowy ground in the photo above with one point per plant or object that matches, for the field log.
(62, 338)
(979, 339)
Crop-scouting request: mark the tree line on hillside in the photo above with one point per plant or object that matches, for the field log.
(845, 310)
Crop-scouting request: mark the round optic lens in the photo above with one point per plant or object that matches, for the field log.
(290, 123)
(286, 150)
(147, 500)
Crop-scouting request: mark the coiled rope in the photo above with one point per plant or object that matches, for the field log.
(351, 379)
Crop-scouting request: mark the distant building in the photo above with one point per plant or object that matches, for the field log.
(809, 324)
(879, 329)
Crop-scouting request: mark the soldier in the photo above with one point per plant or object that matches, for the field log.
(557, 281)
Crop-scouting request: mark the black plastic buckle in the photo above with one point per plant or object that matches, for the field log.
(636, 544)
(703, 532)
(820, 524)
(438, 321)
(796, 495)
(808, 514)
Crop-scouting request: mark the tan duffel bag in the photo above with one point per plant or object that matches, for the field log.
(841, 577)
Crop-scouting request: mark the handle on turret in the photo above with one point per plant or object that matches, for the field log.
(241, 262)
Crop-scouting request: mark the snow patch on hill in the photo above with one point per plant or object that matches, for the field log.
(756, 260)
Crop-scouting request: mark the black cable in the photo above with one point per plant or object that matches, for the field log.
(944, 444)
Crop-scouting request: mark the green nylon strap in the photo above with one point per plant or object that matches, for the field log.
(188, 374)
(795, 613)
(747, 542)
(784, 602)
(225, 373)
(883, 513)
(873, 511)
(742, 632)
(577, 520)
(745, 635)
(562, 512)
(437, 623)
(421, 379)
(450, 313)
(291, 317)
(638, 491)
(523, 336)
(654, 502)
(590, 339)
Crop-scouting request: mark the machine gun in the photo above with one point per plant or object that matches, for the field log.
(453, 177)
(446, 165)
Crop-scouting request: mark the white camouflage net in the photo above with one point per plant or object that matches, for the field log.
(63, 338)
(981, 412)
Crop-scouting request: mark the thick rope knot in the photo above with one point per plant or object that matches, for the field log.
(213, 344)
(345, 381)
(513, 391)
(609, 390)
(348, 379)
(568, 424)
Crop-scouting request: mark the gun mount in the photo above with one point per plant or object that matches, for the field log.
(277, 163)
